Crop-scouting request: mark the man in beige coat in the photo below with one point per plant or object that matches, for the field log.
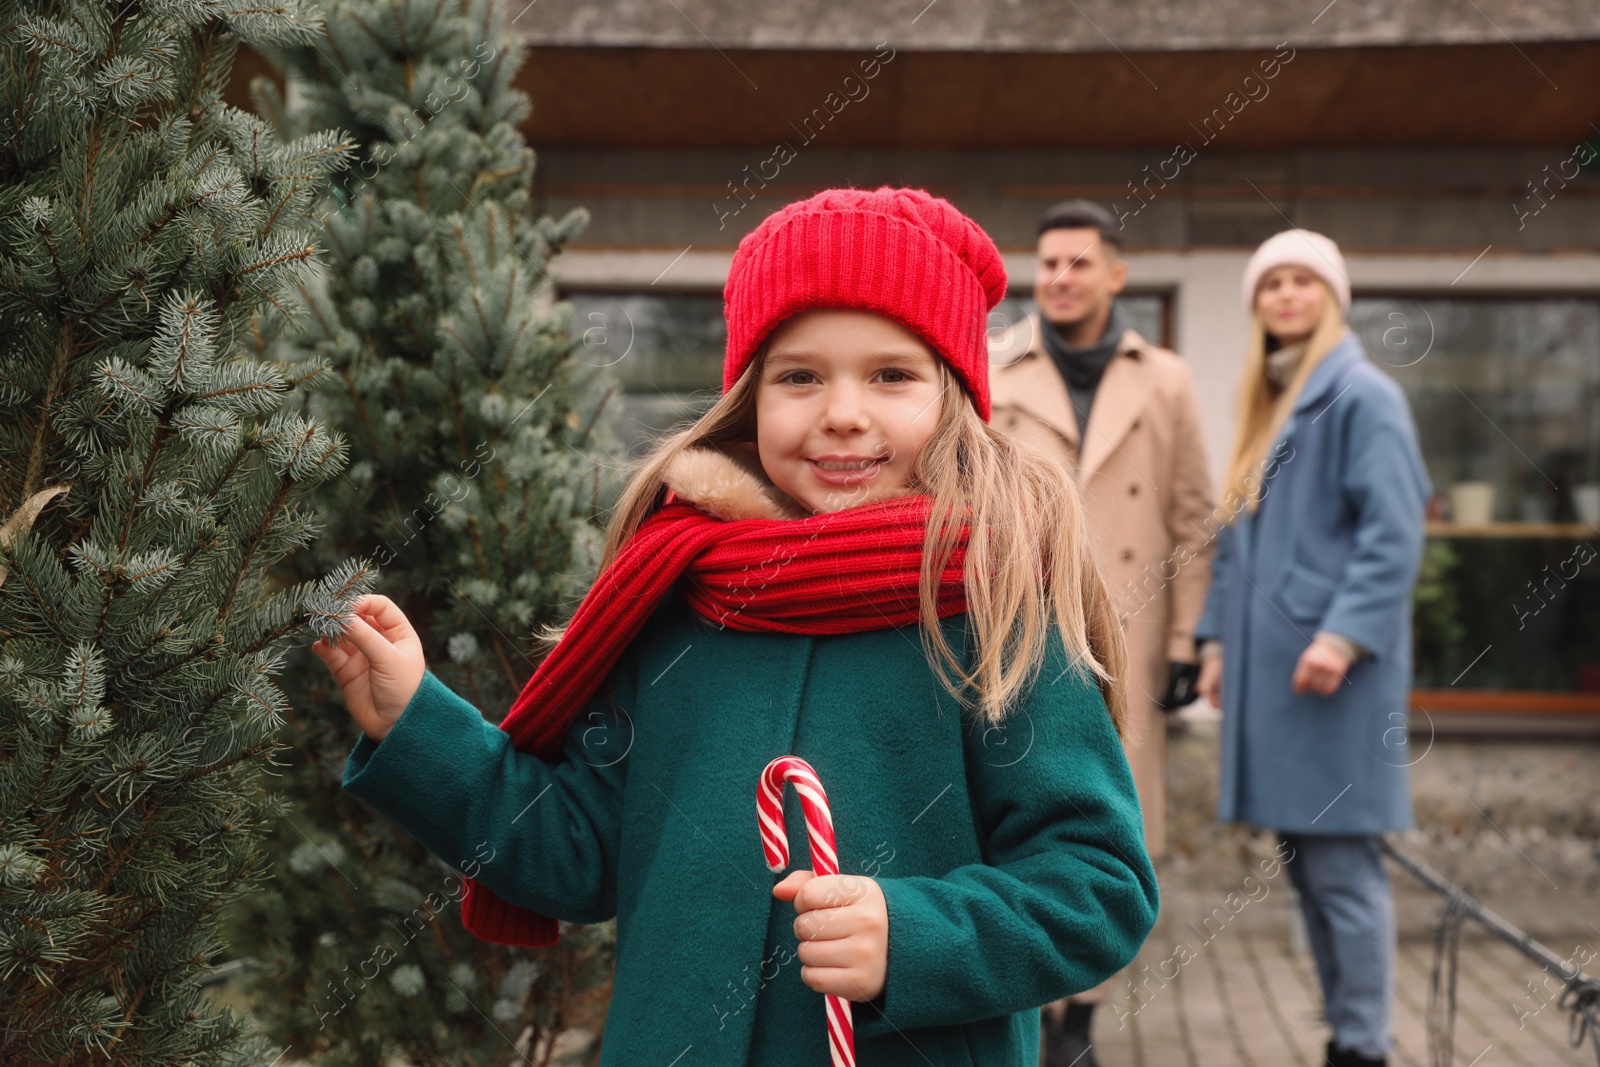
(1121, 417)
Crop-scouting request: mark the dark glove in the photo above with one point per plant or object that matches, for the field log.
(1181, 686)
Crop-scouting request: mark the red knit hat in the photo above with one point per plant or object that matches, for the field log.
(902, 253)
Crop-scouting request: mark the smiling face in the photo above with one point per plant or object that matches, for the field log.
(1076, 275)
(1290, 301)
(844, 405)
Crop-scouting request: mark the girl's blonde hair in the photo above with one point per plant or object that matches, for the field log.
(1263, 409)
(1033, 568)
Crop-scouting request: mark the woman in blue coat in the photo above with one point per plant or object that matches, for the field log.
(1306, 634)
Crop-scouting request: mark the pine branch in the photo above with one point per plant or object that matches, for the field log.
(431, 317)
(128, 195)
(36, 456)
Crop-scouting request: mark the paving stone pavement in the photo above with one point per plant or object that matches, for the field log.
(1241, 991)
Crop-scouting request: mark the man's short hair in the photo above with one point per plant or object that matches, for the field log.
(1082, 215)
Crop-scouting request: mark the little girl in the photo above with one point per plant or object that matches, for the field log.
(797, 574)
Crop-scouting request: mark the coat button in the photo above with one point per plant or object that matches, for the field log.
(1127, 555)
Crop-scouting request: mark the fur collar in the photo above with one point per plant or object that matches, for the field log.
(729, 484)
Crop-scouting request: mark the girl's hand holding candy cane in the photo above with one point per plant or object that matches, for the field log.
(843, 927)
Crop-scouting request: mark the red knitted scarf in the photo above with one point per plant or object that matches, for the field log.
(841, 572)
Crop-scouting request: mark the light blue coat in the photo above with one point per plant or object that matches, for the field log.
(1336, 545)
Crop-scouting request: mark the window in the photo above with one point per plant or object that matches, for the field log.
(1506, 395)
(666, 351)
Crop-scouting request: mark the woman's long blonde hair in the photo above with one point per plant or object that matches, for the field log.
(1263, 408)
(1033, 569)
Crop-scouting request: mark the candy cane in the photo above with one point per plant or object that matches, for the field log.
(824, 860)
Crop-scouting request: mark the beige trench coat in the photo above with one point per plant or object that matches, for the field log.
(1147, 493)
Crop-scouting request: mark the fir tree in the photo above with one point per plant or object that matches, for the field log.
(468, 420)
(151, 473)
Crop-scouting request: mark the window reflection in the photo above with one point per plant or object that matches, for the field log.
(1506, 395)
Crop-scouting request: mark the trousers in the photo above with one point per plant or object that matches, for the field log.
(1349, 912)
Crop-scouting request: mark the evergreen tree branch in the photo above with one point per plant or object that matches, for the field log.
(36, 454)
(454, 397)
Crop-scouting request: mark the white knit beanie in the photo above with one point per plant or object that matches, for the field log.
(1299, 248)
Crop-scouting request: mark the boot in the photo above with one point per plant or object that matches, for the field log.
(1343, 1057)
(1066, 1042)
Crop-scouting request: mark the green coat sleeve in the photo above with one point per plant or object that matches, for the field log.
(542, 836)
(1066, 894)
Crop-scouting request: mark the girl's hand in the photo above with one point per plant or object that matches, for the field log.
(378, 664)
(843, 929)
(1321, 669)
(1210, 683)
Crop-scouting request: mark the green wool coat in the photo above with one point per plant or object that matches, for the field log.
(1012, 859)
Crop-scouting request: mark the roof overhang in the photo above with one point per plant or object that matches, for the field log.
(1418, 95)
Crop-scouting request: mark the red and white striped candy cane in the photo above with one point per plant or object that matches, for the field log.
(824, 860)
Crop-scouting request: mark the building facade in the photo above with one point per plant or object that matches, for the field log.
(1452, 151)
